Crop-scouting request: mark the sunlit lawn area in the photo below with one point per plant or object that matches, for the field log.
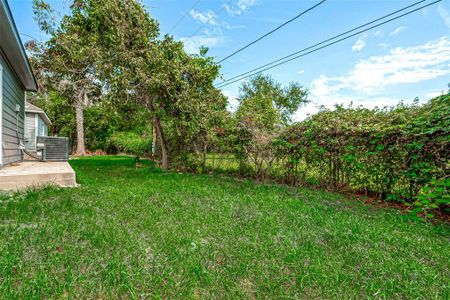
(130, 232)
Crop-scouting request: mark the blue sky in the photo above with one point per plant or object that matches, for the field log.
(401, 60)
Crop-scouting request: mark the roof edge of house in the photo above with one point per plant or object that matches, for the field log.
(39, 111)
(11, 44)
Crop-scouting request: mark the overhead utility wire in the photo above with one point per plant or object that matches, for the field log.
(212, 17)
(272, 31)
(325, 41)
(327, 45)
(29, 36)
(184, 16)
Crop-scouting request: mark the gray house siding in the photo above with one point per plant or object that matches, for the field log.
(34, 126)
(30, 134)
(13, 94)
(42, 127)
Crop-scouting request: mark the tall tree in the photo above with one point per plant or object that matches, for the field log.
(176, 88)
(183, 98)
(68, 60)
(115, 43)
(266, 104)
(264, 107)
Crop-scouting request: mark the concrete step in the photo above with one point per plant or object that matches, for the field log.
(37, 174)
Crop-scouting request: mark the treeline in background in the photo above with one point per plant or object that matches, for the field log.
(113, 84)
(398, 153)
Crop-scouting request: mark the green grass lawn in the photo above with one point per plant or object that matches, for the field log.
(142, 233)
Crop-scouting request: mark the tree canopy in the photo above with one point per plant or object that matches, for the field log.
(111, 47)
(266, 104)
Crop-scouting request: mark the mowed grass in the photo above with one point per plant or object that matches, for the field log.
(130, 232)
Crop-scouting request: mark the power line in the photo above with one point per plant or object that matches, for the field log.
(325, 41)
(212, 17)
(329, 39)
(272, 31)
(294, 56)
(29, 36)
(184, 16)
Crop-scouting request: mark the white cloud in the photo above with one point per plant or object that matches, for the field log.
(401, 65)
(433, 93)
(246, 4)
(300, 72)
(240, 7)
(209, 17)
(193, 44)
(378, 33)
(383, 45)
(226, 25)
(445, 15)
(359, 45)
(397, 30)
(233, 102)
(330, 101)
(212, 36)
(206, 17)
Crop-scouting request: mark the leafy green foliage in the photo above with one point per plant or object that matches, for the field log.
(264, 103)
(131, 143)
(111, 50)
(60, 111)
(44, 16)
(436, 194)
(392, 153)
(136, 66)
(264, 108)
(398, 154)
(68, 61)
(101, 120)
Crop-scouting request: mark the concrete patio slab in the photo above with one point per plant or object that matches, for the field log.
(27, 174)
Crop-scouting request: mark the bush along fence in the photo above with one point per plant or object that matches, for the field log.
(399, 154)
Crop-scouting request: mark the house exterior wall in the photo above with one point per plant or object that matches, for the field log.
(12, 123)
(42, 127)
(30, 131)
(34, 127)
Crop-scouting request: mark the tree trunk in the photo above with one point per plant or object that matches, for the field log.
(154, 137)
(149, 105)
(205, 151)
(79, 110)
(164, 158)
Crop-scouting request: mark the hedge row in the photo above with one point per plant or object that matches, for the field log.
(400, 154)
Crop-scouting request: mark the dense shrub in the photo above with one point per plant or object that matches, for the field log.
(398, 154)
(101, 120)
(131, 143)
(401, 154)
